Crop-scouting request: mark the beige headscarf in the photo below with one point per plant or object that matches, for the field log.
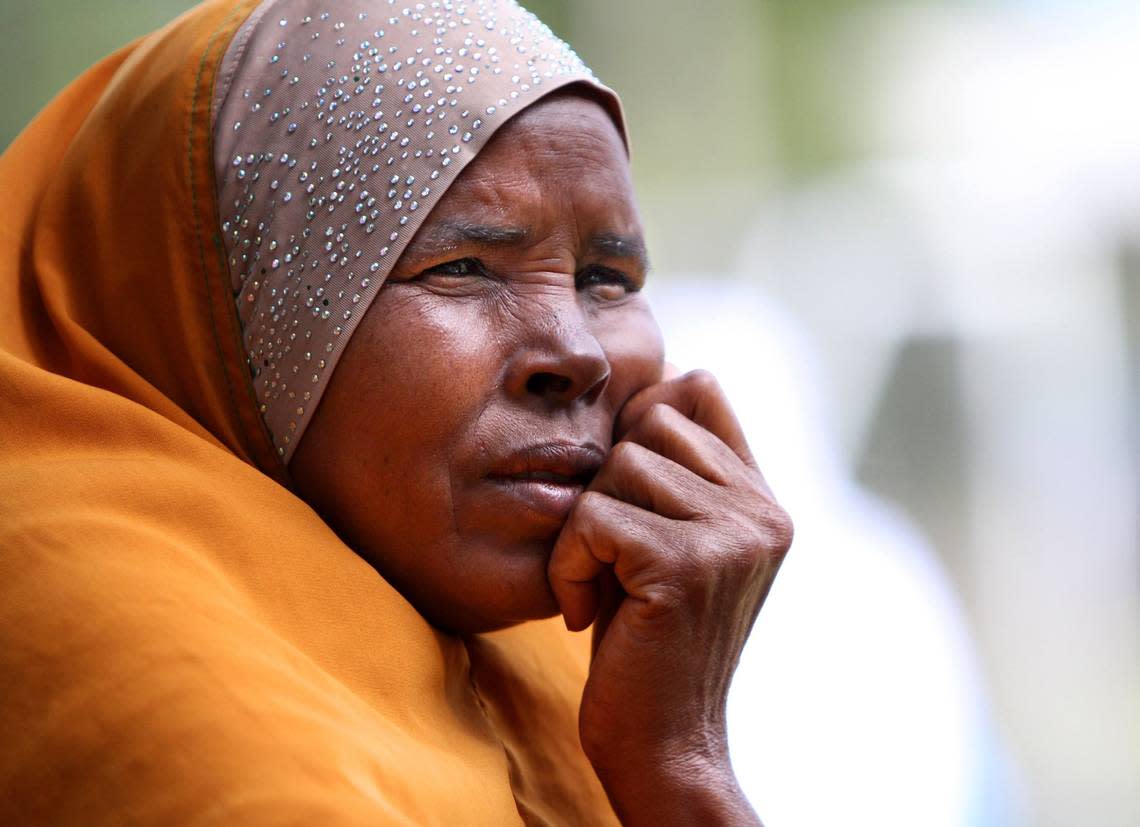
(338, 128)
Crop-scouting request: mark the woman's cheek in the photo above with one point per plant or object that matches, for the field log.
(636, 351)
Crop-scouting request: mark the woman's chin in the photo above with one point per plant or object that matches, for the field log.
(492, 589)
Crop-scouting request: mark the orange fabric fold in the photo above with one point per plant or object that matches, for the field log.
(182, 640)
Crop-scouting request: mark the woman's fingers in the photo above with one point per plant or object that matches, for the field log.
(640, 476)
(699, 397)
(601, 533)
(681, 457)
(666, 431)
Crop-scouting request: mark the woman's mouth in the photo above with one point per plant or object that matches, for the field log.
(545, 480)
(547, 496)
(550, 476)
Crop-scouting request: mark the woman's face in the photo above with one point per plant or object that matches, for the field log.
(479, 393)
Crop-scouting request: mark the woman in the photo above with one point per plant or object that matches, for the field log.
(304, 562)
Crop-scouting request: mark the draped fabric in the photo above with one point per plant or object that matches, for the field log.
(182, 640)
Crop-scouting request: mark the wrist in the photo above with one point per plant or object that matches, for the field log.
(676, 788)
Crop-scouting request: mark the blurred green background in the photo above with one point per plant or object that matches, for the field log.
(945, 198)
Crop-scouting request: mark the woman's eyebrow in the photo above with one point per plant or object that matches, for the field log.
(447, 235)
(614, 245)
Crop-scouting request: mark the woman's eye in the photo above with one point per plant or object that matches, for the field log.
(459, 267)
(598, 276)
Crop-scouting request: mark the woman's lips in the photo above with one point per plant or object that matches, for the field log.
(545, 479)
(548, 499)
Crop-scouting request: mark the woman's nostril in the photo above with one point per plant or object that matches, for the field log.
(545, 384)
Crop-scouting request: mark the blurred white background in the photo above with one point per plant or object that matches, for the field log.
(907, 237)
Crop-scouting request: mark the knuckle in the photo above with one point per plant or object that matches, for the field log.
(761, 535)
(588, 506)
(666, 597)
(779, 530)
(654, 426)
(702, 381)
(626, 454)
(658, 416)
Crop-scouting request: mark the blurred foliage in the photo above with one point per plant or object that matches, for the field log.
(806, 72)
(48, 43)
(554, 13)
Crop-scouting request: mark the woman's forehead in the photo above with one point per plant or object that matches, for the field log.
(561, 159)
(563, 132)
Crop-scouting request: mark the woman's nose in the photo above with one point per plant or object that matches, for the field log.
(563, 363)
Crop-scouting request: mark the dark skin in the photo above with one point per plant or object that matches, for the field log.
(519, 450)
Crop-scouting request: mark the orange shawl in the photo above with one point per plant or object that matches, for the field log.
(181, 638)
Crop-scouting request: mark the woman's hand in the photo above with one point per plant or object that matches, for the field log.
(670, 552)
